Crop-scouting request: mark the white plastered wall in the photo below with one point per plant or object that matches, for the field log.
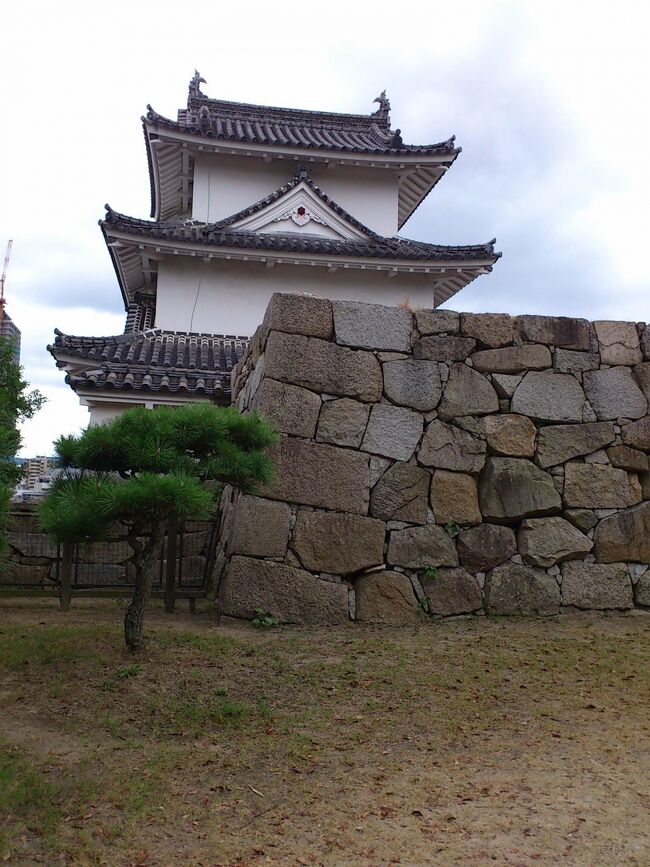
(224, 185)
(221, 297)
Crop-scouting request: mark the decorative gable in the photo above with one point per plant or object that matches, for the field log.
(302, 211)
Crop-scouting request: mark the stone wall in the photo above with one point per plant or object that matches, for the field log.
(451, 462)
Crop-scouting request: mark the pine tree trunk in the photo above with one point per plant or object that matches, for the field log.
(144, 560)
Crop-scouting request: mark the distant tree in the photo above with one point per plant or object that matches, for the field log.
(146, 467)
(16, 405)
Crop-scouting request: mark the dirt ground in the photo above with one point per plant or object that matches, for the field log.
(466, 742)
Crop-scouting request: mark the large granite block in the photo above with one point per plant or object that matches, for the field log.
(259, 528)
(559, 443)
(420, 547)
(514, 589)
(618, 342)
(513, 359)
(292, 595)
(489, 329)
(624, 536)
(437, 321)
(546, 541)
(343, 422)
(561, 331)
(372, 326)
(467, 392)
(452, 591)
(338, 543)
(598, 486)
(385, 597)
(297, 314)
(392, 431)
(323, 367)
(613, 393)
(412, 383)
(314, 474)
(448, 349)
(594, 585)
(449, 448)
(401, 494)
(454, 498)
(486, 546)
(549, 397)
(514, 488)
(291, 409)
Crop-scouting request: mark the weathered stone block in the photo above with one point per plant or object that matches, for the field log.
(401, 494)
(454, 497)
(512, 359)
(323, 367)
(297, 314)
(642, 374)
(448, 349)
(372, 326)
(613, 393)
(412, 383)
(505, 384)
(449, 448)
(624, 536)
(597, 486)
(618, 342)
(419, 547)
(567, 361)
(452, 591)
(437, 321)
(559, 443)
(392, 431)
(627, 458)
(291, 410)
(314, 474)
(385, 597)
(583, 519)
(546, 541)
(549, 397)
(593, 585)
(515, 589)
(484, 547)
(342, 422)
(557, 330)
(513, 488)
(637, 434)
(259, 528)
(510, 434)
(292, 595)
(467, 393)
(490, 329)
(338, 543)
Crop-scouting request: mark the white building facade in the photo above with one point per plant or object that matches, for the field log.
(246, 201)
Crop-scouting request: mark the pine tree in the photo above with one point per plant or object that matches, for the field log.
(146, 467)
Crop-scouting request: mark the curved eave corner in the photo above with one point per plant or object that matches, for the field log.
(116, 265)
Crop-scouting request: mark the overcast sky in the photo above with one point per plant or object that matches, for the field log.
(547, 99)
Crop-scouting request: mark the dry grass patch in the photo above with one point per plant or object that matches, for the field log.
(464, 742)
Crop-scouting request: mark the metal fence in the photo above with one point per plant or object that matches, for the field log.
(38, 566)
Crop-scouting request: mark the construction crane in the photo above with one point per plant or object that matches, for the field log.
(2, 281)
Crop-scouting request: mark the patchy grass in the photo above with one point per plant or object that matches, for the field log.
(464, 742)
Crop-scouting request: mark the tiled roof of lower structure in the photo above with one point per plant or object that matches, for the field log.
(272, 126)
(151, 361)
(212, 234)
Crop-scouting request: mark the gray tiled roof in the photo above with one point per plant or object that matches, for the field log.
(151, 361)
(272, 126)
(217, 235)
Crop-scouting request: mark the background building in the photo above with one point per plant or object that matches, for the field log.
(10, 331)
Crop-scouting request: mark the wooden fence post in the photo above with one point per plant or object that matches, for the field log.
(65, 596)
(170, 571)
